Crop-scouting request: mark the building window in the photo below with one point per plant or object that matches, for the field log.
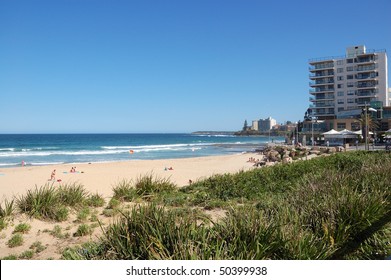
(351, 92)
(340, 93)
(350, 84)
(341, 125)
(340, 86)
(341, 101)
(349, 77)
(339, 62)
(340, 78)
(339, 70)
(340, 109)
(350, 60)
(349, 68)
(350, 100)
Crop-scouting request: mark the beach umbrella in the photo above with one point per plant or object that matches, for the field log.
(331, 132)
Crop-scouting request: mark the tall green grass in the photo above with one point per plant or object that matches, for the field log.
(53, 203)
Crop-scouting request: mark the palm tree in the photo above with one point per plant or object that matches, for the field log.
(372, 123)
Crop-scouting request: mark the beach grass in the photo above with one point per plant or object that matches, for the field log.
(8, 209)
(52, 203)
(334, 207)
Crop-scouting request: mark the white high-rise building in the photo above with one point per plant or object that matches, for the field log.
(266, 124)
(342, 86)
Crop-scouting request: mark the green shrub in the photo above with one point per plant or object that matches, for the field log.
(87, 251)
(15, 241)
(83, 230)
(22, 228)
(61, 213)
(109, 212)
(27, 255)
(83, 214)
(113, 203)
(96, 200)
(3, 224)
(37, 247)
(10, 257)
(125, 191)
(57, 232)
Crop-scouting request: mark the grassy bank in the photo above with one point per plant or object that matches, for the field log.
(336, 207)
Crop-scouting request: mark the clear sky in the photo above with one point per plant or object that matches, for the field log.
(170, 66)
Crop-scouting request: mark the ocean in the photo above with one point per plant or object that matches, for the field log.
(48, 149)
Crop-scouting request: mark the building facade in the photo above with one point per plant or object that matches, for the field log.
(266, 124)
(340, 87)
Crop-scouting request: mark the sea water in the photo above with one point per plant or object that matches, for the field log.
(47, 149)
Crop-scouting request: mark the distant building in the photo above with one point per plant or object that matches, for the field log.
(255, 126)
(264, 125)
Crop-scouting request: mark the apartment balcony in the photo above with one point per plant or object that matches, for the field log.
(321, 90)
(370, 59)
(367, 84)
(323, 114)
(366, 76)
(322, 105)
(320, 82)
(321, 74)
(321, 97)
(366, 68)
(364, 101)
(321, 66)
(367, 93)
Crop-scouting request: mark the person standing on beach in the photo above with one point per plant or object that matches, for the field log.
(53, 176)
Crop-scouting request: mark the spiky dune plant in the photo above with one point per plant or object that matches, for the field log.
(72, 194)
(40, 203)
(8, 209)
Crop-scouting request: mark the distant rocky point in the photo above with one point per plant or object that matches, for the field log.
(213, 133)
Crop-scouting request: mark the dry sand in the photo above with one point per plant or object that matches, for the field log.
(101, 177)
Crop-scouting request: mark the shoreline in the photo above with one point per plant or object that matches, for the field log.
(100, 177)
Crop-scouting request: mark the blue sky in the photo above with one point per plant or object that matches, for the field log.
(169, 66)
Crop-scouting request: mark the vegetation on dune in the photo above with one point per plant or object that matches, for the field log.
(336, 207)
(48, 202)
(15, 241)
(6, 213)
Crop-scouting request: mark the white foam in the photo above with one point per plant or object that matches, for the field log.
(10, 164)
(7, 149)
(45, 163)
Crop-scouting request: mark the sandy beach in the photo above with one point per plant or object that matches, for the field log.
(96, 178)
(101, 177)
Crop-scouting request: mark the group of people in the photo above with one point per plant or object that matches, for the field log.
(253, 160)
(257, 162)
(53, 175)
